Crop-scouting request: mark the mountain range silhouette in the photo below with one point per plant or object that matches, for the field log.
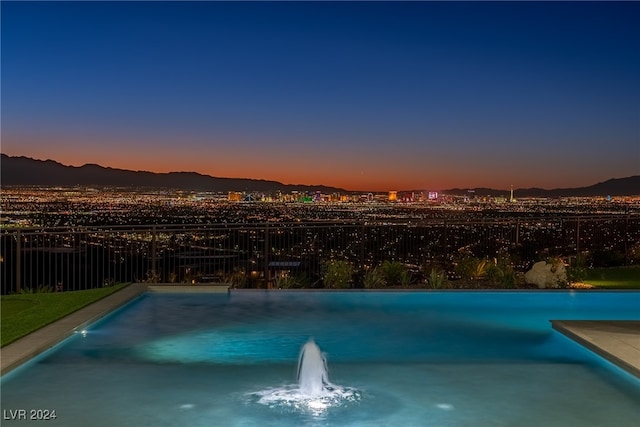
(25, 171)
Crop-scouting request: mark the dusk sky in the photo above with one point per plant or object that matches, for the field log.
(370, 96)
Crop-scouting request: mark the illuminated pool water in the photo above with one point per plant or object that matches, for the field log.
(404, 358)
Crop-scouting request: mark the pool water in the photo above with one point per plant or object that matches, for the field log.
(401, 358)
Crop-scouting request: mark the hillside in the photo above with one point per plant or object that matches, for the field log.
(27, 171)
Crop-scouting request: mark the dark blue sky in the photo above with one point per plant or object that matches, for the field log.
(361, 95)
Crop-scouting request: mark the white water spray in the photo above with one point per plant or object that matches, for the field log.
(314, 393)
(313, 376)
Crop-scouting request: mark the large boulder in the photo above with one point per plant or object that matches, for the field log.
(547, 275)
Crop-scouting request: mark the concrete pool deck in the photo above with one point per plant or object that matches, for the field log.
(616, 341)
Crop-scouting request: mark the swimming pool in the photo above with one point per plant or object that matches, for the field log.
(405, 358)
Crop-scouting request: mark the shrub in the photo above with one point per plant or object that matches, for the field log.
(337, 274)
(634, 254)
(471, 268)
(284, 282)
(237, 278)
(577, 271)
(501, 273)
(289, 281)
(437, 278)
(509, 278)
(494, 273)
(405, 278)
(373, 279)
(41, 289)
(395, 273)
(558, 268)
(152, 277)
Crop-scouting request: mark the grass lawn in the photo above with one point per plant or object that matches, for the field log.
(614, 278)
(24, 313)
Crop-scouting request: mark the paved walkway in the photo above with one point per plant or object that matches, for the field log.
(618, 341)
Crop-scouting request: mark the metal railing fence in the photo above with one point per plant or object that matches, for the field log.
(252, 255)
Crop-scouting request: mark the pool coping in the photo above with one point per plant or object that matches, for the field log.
(188, 289)
(616, 341)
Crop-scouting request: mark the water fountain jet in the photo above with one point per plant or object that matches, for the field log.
(313, 376)
(314, 393)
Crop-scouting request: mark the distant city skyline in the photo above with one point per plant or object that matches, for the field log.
(367, 96)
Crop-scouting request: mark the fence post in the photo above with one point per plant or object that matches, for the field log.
(578, 236)
(266, 254)
(362, 244)
(18, 262)
(446, 237)
(154, 246)
(563, 233)
(626, 240)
